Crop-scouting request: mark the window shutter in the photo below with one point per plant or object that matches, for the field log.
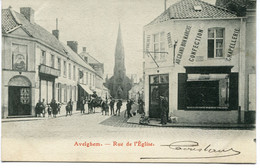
(233, 95)
(182, 77)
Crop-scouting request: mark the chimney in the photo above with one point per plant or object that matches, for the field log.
(56, 32)
(84, 49)
(164, 5)
(73, 45)
(28, 13)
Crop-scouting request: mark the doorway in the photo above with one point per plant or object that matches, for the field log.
(19, 102)
(159, 86)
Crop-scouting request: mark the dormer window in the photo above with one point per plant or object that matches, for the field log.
(43, 57)
(197, 8)
(86, 59)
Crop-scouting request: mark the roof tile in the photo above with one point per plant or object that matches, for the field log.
(184, 9)
(8, 22)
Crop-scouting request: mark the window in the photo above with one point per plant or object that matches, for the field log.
(78, 75)
(83, 77)
(64, 93)
(75, 93)
(90, 80)
(74, 72)
(68, 93)
(93, 80)
(52, 61)
(162, 45)
(216, 42)
(65, 69)
(69, 71)
(59, 92)
(208, 91)
(159, 45)
(59, 65)
(71, 92)
(87, 78)
(43, 57)
(19, 57)
(86, 59)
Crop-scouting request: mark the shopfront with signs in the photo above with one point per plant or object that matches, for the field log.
(47, 82)
(208, 88)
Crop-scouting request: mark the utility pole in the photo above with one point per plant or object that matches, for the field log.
(56, 23)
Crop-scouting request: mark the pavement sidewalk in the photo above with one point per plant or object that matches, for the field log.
(156, 122)
(30, 118)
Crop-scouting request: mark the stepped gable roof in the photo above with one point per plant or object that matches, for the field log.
(12, 20)
(190, 9)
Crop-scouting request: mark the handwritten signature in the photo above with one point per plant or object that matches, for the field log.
(199, 152)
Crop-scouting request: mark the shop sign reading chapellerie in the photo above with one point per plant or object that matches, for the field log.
(183, 44)
(232, 44)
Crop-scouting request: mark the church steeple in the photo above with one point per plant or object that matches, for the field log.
(119, 69)
(119, 84)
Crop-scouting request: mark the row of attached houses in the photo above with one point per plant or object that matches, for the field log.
(100, 89)
(37, 66)
(196, 55)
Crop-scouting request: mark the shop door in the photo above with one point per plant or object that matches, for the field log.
(19, 101)
(157, 89)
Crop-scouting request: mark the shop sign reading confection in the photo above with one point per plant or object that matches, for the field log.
(196, 45)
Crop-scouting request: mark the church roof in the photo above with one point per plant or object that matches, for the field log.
(119, 51)
(189, 9)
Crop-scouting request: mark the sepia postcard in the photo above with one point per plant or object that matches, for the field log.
(128, 81)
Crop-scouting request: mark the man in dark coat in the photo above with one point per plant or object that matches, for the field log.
(112, 104)
(140, 106)
(118, 107)
(54, 107)
(43, 107)
(69, 108)
(38, 108)
(82, 105)
(94, 95)
(128, 108)
(164, 107)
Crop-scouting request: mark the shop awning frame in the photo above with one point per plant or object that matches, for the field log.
(208, 69)
(84, 87)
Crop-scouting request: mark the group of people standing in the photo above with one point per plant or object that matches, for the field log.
(118, 107)
(52, 108)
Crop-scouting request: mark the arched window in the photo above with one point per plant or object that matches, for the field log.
(216, 42)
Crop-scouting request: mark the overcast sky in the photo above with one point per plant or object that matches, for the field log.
(94, 24)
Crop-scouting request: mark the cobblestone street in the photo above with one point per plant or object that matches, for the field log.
(58, 135)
